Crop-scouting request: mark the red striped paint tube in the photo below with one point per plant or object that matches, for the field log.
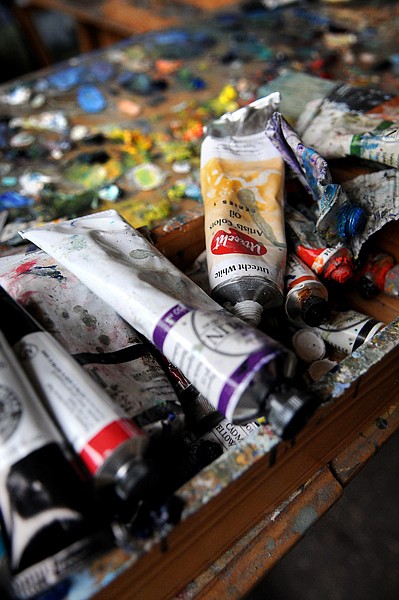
(50, 518)
(330, 263)
(108, 443)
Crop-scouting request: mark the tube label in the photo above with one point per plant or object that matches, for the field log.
(24, 423)
(228, 435)
(348, 330)
(242, 185)
(224, 344)
(297, 273)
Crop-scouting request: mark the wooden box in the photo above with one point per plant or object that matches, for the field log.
(229, 503)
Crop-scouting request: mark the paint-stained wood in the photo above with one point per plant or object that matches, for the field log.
(347, 464)
(241, 567)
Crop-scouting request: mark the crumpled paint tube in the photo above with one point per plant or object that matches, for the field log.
(378, 194)
(330, 263)
(351, 121)
(236, 367)
(338, 218)
(90, 330)
(242, 184)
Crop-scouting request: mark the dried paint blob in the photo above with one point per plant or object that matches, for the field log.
(33, 182)
(66, 79)
(14, 200)
(22, 140)
(181, 166)
(9, 180)
(129, 107)
(18, 95)
(78, 132)
(101, 70)
(110, 193)
(91, 99)
(147, 176)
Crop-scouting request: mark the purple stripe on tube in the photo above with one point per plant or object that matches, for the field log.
(246, 369)
(166, 323)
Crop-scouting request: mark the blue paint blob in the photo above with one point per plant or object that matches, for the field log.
(193, 190)
(14, 200)
(91, 99)
(197, 83)
(66, 79)
(174, 37)
(9, 180)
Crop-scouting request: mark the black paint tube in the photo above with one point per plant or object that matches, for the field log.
(49, 515)
(109, 444)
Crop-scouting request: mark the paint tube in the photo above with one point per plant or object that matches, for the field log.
(347, 330)
(306, 299)
(352, 121)
(329, 263)
(5, 589)
(203, 420)
(89, 329)
(50, 520)
(236, 367)
(109, 444)
(338, 218)
(242, 180)
(391, 282)
(372, 272)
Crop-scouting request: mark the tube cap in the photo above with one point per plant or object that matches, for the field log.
(308, 345)
(249, 311)
(289, 410)
(314, 311)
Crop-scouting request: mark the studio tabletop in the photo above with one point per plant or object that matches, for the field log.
(121, 128)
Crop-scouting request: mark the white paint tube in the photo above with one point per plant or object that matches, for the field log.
(236, 367)
(242, 183)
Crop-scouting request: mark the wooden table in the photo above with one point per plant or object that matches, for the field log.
(101, 23)
(247, 510)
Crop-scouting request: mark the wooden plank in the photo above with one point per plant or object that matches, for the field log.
(239, 569)
(353, 458)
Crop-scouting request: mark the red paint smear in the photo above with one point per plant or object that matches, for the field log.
(25, 267)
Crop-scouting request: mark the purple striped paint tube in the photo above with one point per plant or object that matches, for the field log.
(239, 370)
